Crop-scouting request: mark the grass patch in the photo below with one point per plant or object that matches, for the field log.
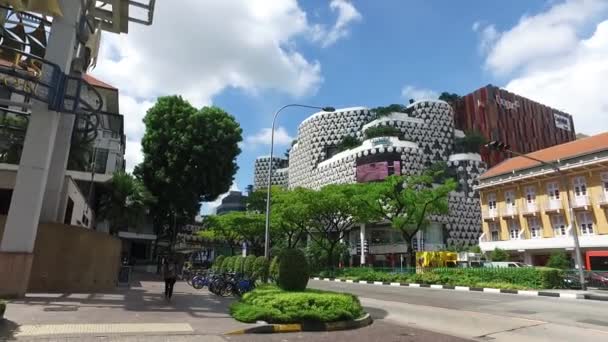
(273, 305)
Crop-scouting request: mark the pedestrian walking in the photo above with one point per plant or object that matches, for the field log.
(170, 276)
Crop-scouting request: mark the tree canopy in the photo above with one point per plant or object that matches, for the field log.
(236, 227)
(406, 202)
(124, 202)
(189, 157)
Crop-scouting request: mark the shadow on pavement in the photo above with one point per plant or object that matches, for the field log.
(7, 329)
(145, 296)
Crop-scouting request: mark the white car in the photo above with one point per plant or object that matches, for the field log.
(505, 264)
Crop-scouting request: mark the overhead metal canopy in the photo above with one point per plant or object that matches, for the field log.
(114, 15)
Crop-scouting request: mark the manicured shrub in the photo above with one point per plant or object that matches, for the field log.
(248, 266)
(499, 255)
(228, 264)
(273, 305)
(217, 263)
(238, 264)
(293, 270)
(382, 131)
(260, 269)
(521, 278)
(499, 285)
(558, 260)
(274, 269)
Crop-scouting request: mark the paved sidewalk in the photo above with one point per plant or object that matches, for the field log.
(140, 313)
(138, 310)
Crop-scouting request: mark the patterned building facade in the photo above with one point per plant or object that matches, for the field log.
(426, 136)
(526, 125)
(262, 167)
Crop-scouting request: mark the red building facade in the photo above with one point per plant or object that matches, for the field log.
(524, 124)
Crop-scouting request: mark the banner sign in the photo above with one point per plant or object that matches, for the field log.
(562, 121)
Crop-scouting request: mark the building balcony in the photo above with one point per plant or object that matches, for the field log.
(602, 200)
(530, 209)
(489, 214)
(580, 202)
(509, 211)
(561, 242)
(553, 205)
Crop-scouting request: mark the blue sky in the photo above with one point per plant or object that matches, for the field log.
(251, 57)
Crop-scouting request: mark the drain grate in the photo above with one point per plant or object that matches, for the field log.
(523, 312)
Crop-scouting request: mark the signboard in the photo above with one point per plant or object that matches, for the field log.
(562, 121)
(506, 103)
(384, 141)
(377, 171)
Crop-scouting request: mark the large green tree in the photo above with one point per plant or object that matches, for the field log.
(332, 214)
(290, 216)
(189, 157)
(406, 202)
(124, 202)
(236, 227)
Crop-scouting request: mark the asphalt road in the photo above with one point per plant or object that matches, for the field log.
(482, 316)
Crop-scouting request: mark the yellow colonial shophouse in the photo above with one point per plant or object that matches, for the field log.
(524, 207)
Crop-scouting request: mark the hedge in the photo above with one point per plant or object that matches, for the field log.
(217, 263)
(510, 278)
(260, 269)
(248, 266)
(273, 305)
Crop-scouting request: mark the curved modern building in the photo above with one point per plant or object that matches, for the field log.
(421, 136)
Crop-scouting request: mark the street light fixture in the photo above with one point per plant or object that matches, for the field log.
(502, 147)
(268, 185)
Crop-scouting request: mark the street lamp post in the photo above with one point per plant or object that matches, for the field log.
(268, 185)
(502, 147)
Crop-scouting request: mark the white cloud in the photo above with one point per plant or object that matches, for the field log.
(201, 47)
(347, 14)
(548, 58)
(134, 112)
(281, 137)
(487, 35)
(411, 92)
(538, 37)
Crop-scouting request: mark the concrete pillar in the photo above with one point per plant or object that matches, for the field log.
(527, 258)
(26, 204)
(59, 161)
(362, 239)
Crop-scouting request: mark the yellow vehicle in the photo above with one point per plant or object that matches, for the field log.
(436, 259)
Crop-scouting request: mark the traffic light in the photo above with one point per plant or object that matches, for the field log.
(498, 146)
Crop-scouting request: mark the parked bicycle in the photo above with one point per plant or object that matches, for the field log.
(224, 284)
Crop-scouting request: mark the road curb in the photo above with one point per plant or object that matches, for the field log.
(307, 326)
(529, 293)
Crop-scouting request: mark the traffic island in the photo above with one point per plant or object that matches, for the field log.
(309, 310)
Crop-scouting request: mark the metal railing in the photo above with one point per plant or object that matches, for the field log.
(509, 210)
(580, 201)
(530, 208)
(489, 213)
(602, 199)
(553, 205)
